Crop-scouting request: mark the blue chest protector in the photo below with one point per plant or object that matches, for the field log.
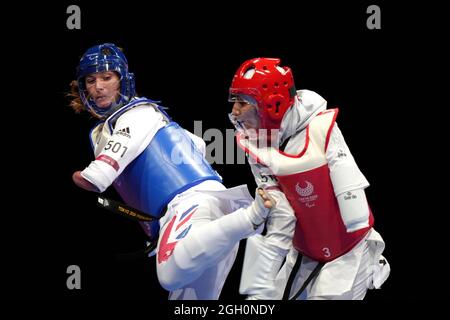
(169, 165)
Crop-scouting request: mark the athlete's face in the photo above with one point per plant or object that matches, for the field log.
(245, 114)
(103, 87)
(246, 117)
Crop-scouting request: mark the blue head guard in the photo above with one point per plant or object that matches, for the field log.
(105, 57)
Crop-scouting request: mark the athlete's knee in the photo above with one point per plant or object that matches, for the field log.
(169, 282)
(180, 269)
(170, 276)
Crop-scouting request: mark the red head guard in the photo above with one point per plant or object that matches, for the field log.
(270, 85)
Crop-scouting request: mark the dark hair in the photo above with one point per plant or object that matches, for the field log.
(74, 96)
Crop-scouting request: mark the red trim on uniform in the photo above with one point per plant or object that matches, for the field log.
(304, 148)
(254, 156)
(107, 159)
(325, 111)
(336, 111)
(246, 150)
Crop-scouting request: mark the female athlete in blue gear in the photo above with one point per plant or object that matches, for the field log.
(159, 168)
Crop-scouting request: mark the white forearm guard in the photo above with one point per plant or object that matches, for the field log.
(354, 209)
(347, 178)
(349, 184)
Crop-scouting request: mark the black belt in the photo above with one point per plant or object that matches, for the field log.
(294, 272)
(133, 214)
(124, 210)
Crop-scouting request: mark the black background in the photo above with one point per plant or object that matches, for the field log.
(185, 55)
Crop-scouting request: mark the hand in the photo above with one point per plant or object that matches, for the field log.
(269, 202)
(260, 207)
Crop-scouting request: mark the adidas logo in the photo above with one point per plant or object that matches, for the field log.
(124, 132)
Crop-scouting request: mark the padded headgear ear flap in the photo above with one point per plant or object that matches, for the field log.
(272, 104)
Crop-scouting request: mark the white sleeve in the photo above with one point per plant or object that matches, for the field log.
(344, 171)
(280, 223)
(348, 183)
(263, 176)
(132, 133)
(264, 255)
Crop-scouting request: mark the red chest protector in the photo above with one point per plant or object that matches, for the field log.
(305, 179)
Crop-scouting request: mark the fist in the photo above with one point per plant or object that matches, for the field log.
(268, 201)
